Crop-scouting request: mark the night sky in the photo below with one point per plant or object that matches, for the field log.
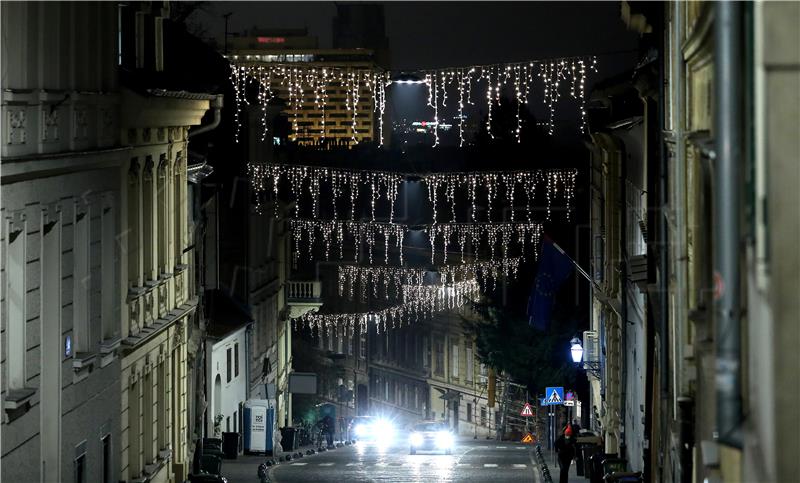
(445, 34)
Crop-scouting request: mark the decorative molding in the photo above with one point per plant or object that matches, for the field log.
(80, 123)
(17, 125)
(146, 135)
(49, 124)
(148, 169)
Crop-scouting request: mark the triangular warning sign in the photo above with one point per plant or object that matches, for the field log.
(554, 398)
(528, 438)
(526, 411)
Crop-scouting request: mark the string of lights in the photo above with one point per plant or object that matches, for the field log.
(308, 85)
(366, 233)
(419, 302)
(383, 281)
(558, 183)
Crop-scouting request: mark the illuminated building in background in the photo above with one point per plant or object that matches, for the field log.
(331, 126)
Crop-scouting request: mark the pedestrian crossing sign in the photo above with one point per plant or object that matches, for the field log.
(554, 396)
(528, 438)
(526, 411)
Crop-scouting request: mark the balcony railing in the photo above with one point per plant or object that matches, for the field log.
(302, 291)
(303, 296)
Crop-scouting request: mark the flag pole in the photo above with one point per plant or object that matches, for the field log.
(604, 298)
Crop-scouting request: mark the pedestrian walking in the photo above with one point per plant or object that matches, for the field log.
(565, 447)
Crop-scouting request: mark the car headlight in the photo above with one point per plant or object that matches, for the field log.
(444, 439)
(383, 427)
(416, 439)
(361, 430)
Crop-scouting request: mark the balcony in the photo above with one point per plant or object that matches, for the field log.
(303, 297)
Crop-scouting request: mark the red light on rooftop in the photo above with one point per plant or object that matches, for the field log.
(271, 40)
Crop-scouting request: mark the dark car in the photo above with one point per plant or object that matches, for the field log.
(431, 436)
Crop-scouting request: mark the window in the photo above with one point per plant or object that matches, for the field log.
(470, 365)
(80, 469)
(350, 345)
(108, 278)
(236, 360)
(227, 424)
(235, 419)
(469, 412)
(439, 369)
(483, 416)
(81, 283)
(15, 300)
(106, 458)
(340, 344)
(426, 360)
(454, 365)
(228, 366)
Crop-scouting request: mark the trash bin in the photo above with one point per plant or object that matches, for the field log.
(624, 477)
(211, 464)
(230, 445)
(288, 438)
(587, 451)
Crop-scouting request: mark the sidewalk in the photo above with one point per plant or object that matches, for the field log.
(245, 467)
(555, 470)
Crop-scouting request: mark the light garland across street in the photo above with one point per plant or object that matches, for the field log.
(383, 281)
(419, 302)
(307, 83)
(368, 232)
(304, 84)
(556, 184)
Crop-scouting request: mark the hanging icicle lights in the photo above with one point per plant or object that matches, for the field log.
(558, 184)
(521, 77)
(366, 233)
(419, 302)
(307, 87)
(386, 281)
(471, 234)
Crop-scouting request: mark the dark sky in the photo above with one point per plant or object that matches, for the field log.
(445, 34)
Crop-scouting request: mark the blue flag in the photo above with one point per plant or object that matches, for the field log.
(554, 268)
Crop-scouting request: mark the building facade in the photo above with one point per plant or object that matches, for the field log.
(62, 211)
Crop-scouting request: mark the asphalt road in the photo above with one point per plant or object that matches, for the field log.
(472, 460)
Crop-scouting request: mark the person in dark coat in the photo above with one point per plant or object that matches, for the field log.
(328, 428)
(565, 447)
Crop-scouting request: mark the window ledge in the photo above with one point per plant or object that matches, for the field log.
(18, 398)
(108, 346)
(83, 361)
(181, 267)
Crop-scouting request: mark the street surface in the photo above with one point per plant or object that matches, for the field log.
(472, 460)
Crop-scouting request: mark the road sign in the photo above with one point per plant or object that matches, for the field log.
(526, 411)
(528, 438)
(554, 396)
(544, 402)
(569, 396)
(569, 402)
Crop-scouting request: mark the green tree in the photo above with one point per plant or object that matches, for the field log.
(506, 342)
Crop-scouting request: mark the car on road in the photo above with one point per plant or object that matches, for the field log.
(431, 436)
(372, 428)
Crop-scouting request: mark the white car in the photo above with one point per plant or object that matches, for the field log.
(431, 436)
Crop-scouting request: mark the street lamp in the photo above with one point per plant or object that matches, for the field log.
(576, 349)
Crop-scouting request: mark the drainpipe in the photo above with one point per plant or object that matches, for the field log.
(216, 104)
(623, 310)
(728, 149)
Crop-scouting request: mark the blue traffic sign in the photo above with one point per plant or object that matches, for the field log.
(554, 396)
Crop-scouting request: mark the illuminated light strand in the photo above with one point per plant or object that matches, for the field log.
(520, 75)
(559, 183)
(418, 302)
(309, 84)
(473, 233)
(365, 233)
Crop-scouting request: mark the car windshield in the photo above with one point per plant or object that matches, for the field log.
(429, 427)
